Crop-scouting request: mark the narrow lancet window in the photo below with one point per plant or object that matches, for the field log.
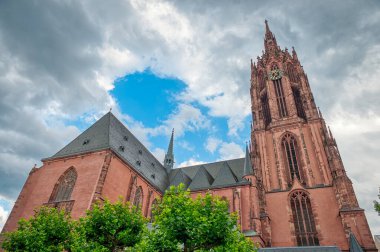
(304, 223)
(64, 187)
(293, 77)
(289, 146)
(266, 110)
(280, 97)
(299, 104)
(261, 80)
(138, 197)
(154, 205)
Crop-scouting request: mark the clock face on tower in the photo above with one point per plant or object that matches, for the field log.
(275, 74)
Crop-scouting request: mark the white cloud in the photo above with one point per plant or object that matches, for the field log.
(159, 154)
(190, 162)
(230, 151)
(3, 217)
(212, 144)
(185, 145)
(185, 118)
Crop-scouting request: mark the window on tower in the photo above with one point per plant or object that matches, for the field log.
(64, 187)
(290, 153)
(266, 110)
(298, 102)
(293, 77)
(261, 80)
(283, 112)
(304, 223)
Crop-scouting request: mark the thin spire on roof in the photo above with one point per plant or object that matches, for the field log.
(169, 156)
(248, 169)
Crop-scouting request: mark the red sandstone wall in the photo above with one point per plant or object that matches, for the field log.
(326, 214)
(118, 180)
(41, 184)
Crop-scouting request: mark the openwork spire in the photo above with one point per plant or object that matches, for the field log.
(269, 40)
(169, 157)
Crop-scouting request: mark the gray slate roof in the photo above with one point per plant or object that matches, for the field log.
(211, 175)
(109, 133)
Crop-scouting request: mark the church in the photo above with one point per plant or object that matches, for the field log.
(291, 190)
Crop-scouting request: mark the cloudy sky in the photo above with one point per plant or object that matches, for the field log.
(183, 65)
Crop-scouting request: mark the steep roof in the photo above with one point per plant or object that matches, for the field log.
(109, 133)
(211, 175)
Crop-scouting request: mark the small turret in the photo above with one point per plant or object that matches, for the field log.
(248, 169)
(294, 54)
(169, 156)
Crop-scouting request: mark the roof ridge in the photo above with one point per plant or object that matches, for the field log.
(215, 162)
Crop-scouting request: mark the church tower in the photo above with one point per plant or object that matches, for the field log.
(305, 198)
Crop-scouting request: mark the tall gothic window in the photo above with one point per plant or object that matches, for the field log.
(304, 224)
(137, 201)
(289, 146)
(64, 187)
(293, 77)
(298, 101)
(266, 110)
(261, 80)
(280, 98)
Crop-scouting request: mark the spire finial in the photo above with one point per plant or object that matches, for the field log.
(270, 40)
(294, 54)
(111, 109)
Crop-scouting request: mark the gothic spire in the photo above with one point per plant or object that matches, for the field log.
(270, 39)
(248, 169)
(169, 156)
(294, 54)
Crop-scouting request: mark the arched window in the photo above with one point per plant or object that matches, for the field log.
(304, 224)
(266, 110)
(154, 204)
(290, 153)
(298, 102)
(64, 187)
(261, 80)
(137, 201)
(293, 77)
(280, 97)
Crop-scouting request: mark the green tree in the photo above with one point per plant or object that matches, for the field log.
(109, 227)
(376, 204)
(48, 230)
(201, 224)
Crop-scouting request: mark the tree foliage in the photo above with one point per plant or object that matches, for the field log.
(48, 230)
(376, 205)
(201, 224)
(109, 227)
(181, 223)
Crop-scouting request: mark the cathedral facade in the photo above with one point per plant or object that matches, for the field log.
(290, 189)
